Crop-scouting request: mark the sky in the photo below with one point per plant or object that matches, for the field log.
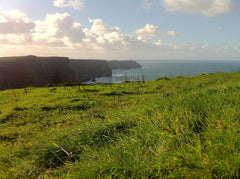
(121, 29)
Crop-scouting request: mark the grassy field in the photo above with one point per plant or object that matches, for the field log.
(167, 128)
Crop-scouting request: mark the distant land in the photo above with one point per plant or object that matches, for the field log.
(26, 71)
(114, 65)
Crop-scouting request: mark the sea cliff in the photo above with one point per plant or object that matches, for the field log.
(85, 70)
(26, 71)
(114, 65)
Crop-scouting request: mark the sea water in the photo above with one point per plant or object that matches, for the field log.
(153, 69)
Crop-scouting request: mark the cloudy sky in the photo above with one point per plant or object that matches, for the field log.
(121, 29)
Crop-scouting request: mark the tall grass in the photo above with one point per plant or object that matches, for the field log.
(167, 128)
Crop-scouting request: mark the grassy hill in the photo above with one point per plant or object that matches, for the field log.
(176, 128)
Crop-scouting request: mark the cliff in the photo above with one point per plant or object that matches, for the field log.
(85, 70)
(123, 64)
(20, 72)
(25, 71)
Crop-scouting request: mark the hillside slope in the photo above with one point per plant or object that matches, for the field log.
(175, 128)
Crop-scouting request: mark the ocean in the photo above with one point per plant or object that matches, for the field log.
(153, 69)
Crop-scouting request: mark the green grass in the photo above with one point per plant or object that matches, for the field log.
(167, 128)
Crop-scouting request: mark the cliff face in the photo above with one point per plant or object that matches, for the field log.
(85, 70)
(123, 64)
(20, 72)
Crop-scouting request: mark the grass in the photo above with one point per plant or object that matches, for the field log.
(167, 128)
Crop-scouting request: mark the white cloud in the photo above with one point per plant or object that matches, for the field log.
(105, 37)
(187, 47)
(60, 34)
(58, 27)
(14, 21)
(144, 39)
(205, 7)
(99, 27)
(149, 31)
(159, 43)
(171, 33)
(75, 4)
(16, 39)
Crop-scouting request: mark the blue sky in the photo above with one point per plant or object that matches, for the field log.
(126, 29)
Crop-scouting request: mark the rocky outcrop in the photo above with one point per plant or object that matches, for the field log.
(123, 64)
(85, 70)
(26, 71)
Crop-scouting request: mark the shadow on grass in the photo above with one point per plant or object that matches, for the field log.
(70, 146)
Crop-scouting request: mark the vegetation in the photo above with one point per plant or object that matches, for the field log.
(175, 128)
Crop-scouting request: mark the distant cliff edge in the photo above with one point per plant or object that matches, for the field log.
(85, 70)
(114, 65)
(26, 71)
